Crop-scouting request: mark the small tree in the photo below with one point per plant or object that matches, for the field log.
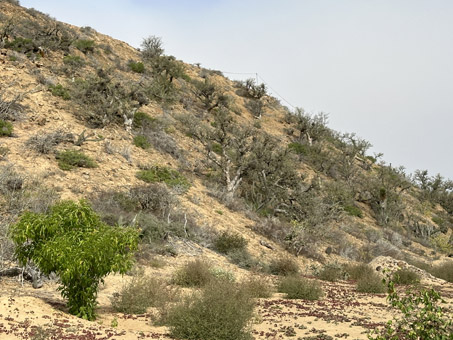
(152, 47)
(72, 242)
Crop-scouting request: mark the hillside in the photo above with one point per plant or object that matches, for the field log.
(205, 168)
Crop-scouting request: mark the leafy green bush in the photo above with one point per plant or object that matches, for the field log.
(283, 266)
(21, 45)
(227, 242)
(370, 284)
(141, 141)
(331, 272)
(194, 274)
(170, 177)
(59, 91)
(221, 311)
(84, 45)
(298, 148)
(443, 271)
(71, 241)
(423, 316)
(405, 277)
(142, 292)
(358, 271)
(136, 67)
(6, 128)
(69, 159)
(142, 120)
(296, 287)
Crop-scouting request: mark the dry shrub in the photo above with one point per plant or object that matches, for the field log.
(283, 266)
(143, 292)
(257, 287)
(331, 272)
(358, 271)
(405, 277)
(443, 271)
(194, 274)
(46, 143)
(371, 284)
(296, 287)
(221, 311)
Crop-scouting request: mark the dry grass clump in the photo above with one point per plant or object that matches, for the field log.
(443, 271)
(194, 274)
(257, 287)
(370, 284)
(331, 272)
(283, 266)
(358, 271)
(143, 292)
(221, 311)
(405, 277)
(296, 287)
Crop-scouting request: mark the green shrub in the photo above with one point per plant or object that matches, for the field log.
(283, 266)
(142, 292)
(370, 284)
(227, 242)
(405, 277)
(21, 45)
(84, 45)
(300, 149)
(71, 241)
(69, 159)
(141, 141)
(358, 271)
(331, 272)
(243, 259)
(296, 287)
(194, 274)
(136, 67)
(59, 91)
(6, 128)
(170, 177)
(443, 271)
(73, 60)
(352, 210)
(423, 316)
(142, 120)
(221, 311)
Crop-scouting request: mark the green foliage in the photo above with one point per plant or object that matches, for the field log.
(370, 284)
(73, 60)
(251, 89)
(443, 271)
(6, 128)
(296, 287)
(423, 316)
(84, 45)
(353, 210)
(228, 242)
(194, 274)
(141, 292)
(170, 177)
(141, 141)
(221, 311)
(59, 91)
(405, 277)
(69, 159)
(298, 148)
(283, 266)
(71, 241)
(137, 67)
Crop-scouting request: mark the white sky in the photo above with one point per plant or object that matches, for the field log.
(380, 68)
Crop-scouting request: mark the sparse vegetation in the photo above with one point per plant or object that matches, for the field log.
(228, 242)
(70, 159)
(443, 271)
(141, 141)
(405, 277)
(358, 271)
(331, 272)
(84, 45)
(283, 266)
(296, 287)
(137, 67)
(170, 177)
(59, 91)
(370, 284)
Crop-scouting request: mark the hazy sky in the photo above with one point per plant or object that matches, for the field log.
(380, 68)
